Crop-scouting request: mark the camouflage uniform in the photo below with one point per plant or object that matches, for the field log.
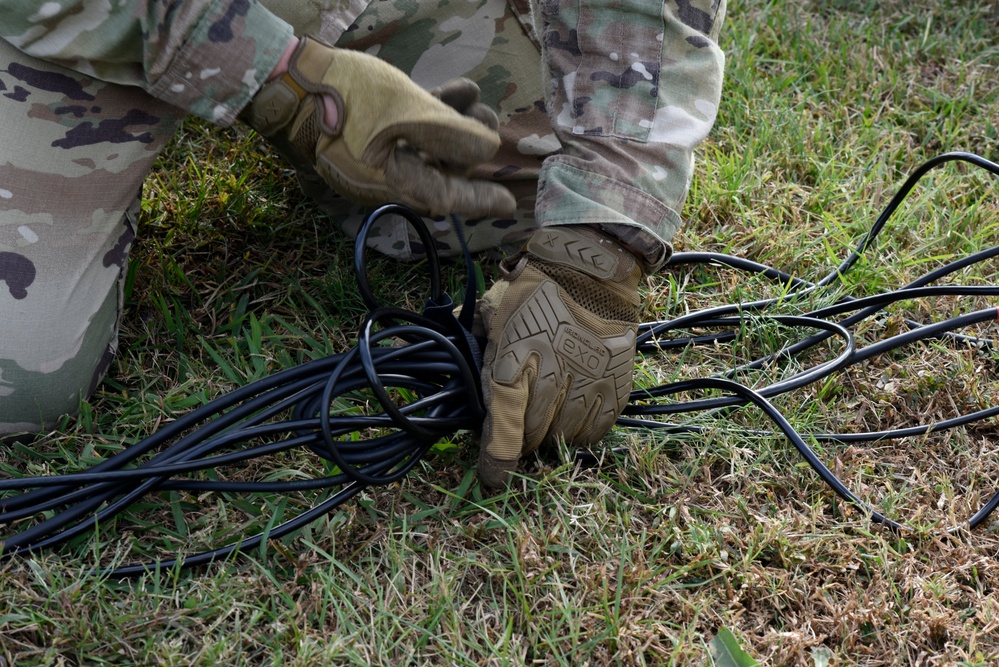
(89, 94)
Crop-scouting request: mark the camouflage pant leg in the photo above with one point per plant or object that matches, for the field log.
(73, 155)
(434, 41)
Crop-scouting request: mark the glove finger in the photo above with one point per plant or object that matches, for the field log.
(462, 95)
(494, 473)
(441, 193)
(478, 199)
(459, 94)
(503, 433)
(483, 114)
(455, 139)
(485, 309)
(584, 420)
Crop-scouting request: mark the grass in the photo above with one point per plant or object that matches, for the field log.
(828, 105)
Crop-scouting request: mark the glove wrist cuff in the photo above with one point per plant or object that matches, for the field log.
(277, 103)
(650, 251)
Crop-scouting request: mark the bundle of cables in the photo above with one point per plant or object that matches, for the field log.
(421, 371)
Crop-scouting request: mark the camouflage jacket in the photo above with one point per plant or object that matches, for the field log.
(632, 86)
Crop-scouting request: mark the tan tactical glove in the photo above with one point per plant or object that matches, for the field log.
(393, 140)
(561, 328)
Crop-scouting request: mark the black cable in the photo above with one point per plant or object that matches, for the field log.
(288, 410)
(437, 367)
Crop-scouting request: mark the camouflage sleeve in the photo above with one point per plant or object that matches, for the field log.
(632, 87)
(207, 57)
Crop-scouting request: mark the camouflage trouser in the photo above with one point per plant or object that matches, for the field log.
(76, 150)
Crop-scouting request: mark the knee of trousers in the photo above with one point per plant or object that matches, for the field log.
(60, 306)
(75, 150)
(36, 391)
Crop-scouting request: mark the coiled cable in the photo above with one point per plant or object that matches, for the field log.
(433, 361)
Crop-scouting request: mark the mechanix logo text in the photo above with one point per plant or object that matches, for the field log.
(583, 351)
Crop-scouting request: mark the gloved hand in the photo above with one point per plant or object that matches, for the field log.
(393, 141)
(561, 327)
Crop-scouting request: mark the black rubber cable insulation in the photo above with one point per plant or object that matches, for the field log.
(437, 366)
